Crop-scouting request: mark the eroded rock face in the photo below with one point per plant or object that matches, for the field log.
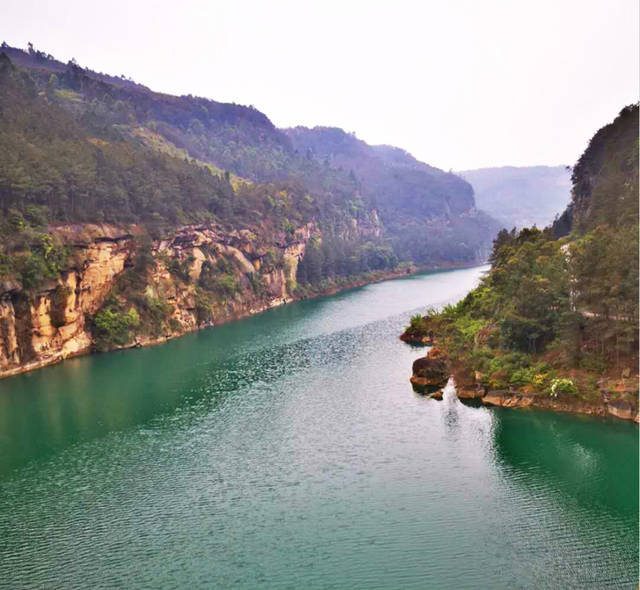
(413, 337)
(430, 374)
(623, 409)
(470, 392)
(38, 329)
(507, 399)
(45, 327)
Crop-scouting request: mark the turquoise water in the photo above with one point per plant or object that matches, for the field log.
(288, 450)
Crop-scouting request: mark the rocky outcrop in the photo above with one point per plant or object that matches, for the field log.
(55, 322)
(418, 338)
(625, 409)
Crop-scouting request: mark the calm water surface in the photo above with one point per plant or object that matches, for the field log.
(288, 450)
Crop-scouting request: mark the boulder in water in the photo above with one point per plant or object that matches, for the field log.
(430, 371)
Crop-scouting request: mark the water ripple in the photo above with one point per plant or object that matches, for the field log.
(303, 459)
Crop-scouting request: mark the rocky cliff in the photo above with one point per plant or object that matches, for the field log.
(197, 276)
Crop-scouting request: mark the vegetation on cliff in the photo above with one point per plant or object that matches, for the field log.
(69, 155)
(605, 178)
(560, 316)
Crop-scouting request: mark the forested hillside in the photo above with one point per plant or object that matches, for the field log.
(429, 214)
(521, 196)
(114, 150)
(560, 316)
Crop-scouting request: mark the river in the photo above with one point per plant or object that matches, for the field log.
(288, 450)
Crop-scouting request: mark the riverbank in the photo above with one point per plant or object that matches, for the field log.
(79, 341)
(624, 407)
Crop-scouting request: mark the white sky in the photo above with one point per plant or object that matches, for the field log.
(458, 83)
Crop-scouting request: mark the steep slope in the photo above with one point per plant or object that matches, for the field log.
(605, 178)
(521, 196)
(244, 142)
(209, 130)
(394, 179)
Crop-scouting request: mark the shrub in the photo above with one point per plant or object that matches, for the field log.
(203, 307)
(156, 313)
(257, 284)
(563, 385)
(46, 260)
(113, 327)
(541, 381)
(7, 263)
(522, 376)
(33, 270)
(226, 285)
(181, 268)
(594, 362)
(499, 379)
(272, 259)
(416, 322)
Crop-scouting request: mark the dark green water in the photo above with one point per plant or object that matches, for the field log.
(288, 450)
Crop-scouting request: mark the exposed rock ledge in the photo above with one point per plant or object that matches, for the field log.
(430, 372)
(623, 409)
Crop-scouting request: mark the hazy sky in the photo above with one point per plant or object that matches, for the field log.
(460, 84)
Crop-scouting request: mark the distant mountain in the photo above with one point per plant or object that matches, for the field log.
(521, 196)
(392, 177)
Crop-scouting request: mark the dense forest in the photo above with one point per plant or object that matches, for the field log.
(554, 314)
(82, 146)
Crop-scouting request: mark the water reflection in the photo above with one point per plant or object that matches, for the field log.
(580, 455)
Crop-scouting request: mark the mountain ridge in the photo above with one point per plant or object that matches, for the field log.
(244, 142)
